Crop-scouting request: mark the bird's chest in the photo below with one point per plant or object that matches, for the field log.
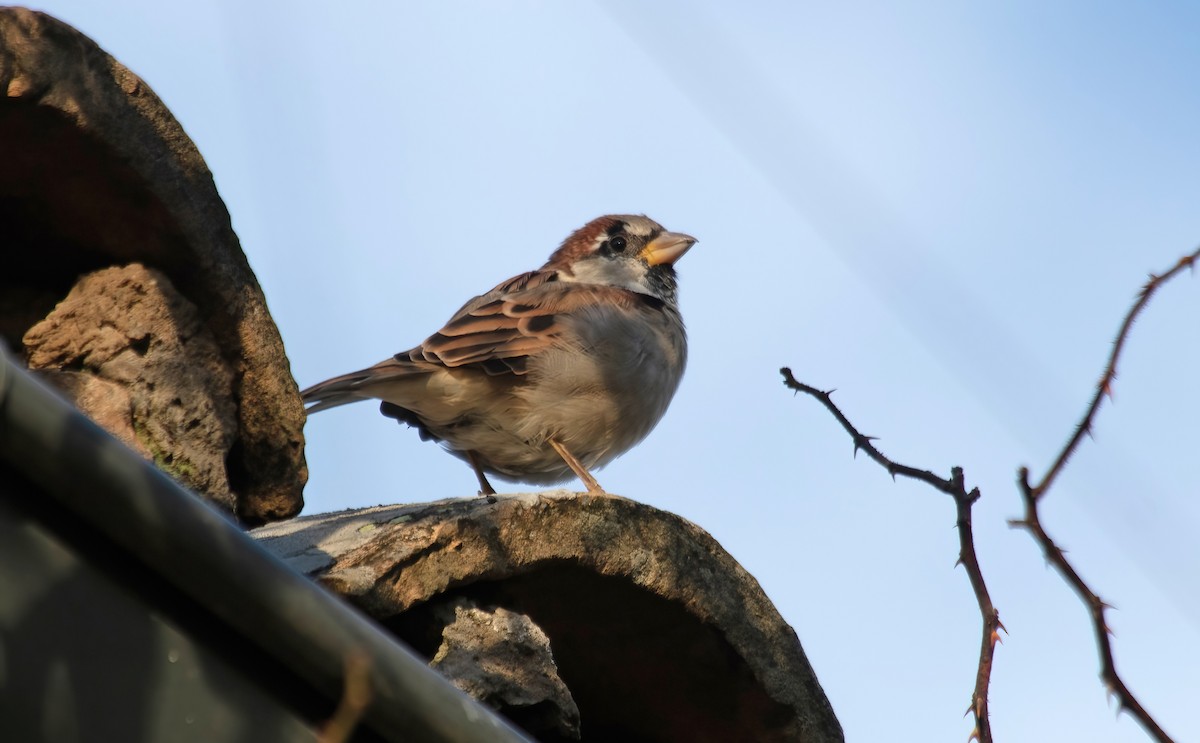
(612, 377)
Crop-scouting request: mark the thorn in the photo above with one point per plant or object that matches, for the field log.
(996, 638)
(862, 442)
(958, 562)
(975, 708)
(972, 707)
(1110, 692)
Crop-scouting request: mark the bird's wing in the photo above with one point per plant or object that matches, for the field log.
(495, 333)
(358, 385)
(499, 331)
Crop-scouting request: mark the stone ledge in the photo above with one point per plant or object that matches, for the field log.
(655, 629)
(98, 174)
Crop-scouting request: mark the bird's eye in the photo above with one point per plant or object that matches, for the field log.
(617, 244)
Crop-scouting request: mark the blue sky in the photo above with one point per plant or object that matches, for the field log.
(942, 210)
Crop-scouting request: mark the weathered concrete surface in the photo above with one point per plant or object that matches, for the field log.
(97, 173)
(504, 660)
(658, 633)
(134, 355)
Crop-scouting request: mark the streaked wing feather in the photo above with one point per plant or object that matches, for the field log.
(519, 283)
(499, 330)
(496, 333)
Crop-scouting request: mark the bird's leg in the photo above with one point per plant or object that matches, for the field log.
(485, 487)
(576, 467)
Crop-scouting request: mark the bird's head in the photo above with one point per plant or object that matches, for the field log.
(630, 251)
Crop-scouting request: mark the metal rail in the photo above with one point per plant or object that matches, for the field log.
(308, 631)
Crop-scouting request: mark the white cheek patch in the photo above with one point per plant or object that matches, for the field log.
(622, 273)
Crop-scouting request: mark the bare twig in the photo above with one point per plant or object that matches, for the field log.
(1032, 495)
(356, 696)
(963, 500)
(1096, 607)
(1104, 387)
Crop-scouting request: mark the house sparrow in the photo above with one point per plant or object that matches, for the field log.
(553, 372)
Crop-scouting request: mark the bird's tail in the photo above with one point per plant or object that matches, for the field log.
(355, 386)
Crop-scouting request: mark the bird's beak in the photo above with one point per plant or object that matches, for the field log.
(667, 248)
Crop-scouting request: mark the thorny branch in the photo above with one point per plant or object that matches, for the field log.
(1032, 495)
(1104, 387)
(963, 500)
